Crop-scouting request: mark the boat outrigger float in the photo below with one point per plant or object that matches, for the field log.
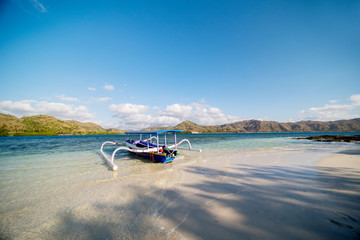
(156, 152)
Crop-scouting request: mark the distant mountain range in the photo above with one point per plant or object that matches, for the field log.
(43, 125)
(257, 126)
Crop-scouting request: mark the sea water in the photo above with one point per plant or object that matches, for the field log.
(59, 186)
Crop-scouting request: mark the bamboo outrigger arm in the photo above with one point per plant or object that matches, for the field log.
(111, 161)
(188, 149)
(149, 139)
(108, 160)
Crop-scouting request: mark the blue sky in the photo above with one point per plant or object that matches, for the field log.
(133, 64)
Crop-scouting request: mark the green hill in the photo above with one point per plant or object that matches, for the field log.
(258, 126)
(44, 125)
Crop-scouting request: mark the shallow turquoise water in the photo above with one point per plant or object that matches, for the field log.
(48, 157)
(26, 162)
(64, 172)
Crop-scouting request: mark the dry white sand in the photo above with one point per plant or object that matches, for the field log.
(269, 194)
(348, 159)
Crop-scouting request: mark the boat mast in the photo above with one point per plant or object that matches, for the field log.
(175, 140)
(148, 140)
(157, 142)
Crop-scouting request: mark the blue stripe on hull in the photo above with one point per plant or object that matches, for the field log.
(156, 157)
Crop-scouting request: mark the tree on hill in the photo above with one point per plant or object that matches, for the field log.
(3, 131)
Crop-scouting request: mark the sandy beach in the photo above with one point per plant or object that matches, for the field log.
(267, 196)
(271, 193)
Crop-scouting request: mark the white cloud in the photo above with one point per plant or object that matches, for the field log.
(109, 87)
(20, 107)
(200, 113)
(39, 6)
(178, 110)
(331, 112)
(132, 116)
(32, 7)
(98, 100)
(68, 99)
(166, 120)
(32, 107)
(140, 120)
(128, 108)
(103, 99)
(356, 100)
(91, 88)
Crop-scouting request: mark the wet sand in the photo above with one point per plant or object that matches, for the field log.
(267, 194)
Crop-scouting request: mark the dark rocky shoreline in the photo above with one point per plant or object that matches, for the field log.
(333, 138)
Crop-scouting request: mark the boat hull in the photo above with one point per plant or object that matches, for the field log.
(152, 155)
(155, 157)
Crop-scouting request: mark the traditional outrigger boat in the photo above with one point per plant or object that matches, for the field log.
(156, 151)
